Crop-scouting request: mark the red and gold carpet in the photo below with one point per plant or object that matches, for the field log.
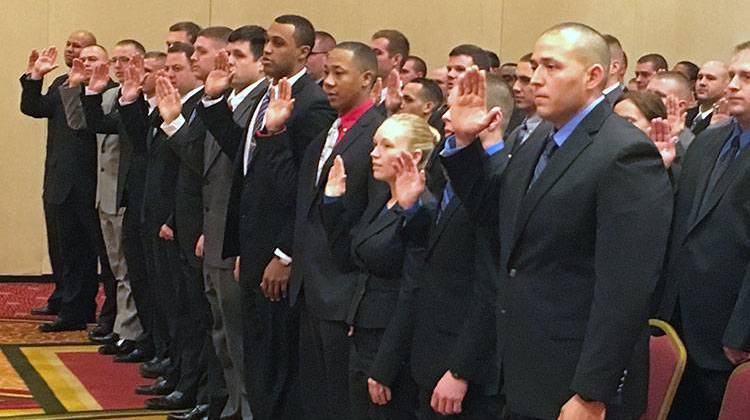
(59, 375)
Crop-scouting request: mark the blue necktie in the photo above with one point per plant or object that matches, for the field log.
(549, 149)
(446, 200)
(262, 108)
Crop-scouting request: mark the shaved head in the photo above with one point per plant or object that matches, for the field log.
(587, 45)
(86, 37)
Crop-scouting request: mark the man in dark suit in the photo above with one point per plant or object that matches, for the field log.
(712, 82)
(324, 42)
(69, 191)
(267, 154)
(618, 66)
(159, 206)
(707, 280)
(572, 285)
(523, 97)
(244, 52)
(321, 287)
(73, 46)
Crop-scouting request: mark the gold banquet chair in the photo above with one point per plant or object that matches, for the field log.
(667, 359)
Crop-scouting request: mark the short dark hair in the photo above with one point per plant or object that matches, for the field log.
(691, 70)
(363, 55)
(254, 35)
(218, 33)
(657, 61)
(191, 28)
(430, 91)
(649, 103)
(159, 55)
(494, 59)
(526, 58)
(478, 55)
(325, 35)
(137, 45)
(304, 32)
(509, 65)
(181, 47)
(397, 43)
(419, 64)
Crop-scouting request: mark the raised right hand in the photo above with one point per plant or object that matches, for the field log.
(168, 100)
(280, 107)
(469, 114)
(33, 56)
(132, 83)
(660, 132)
(220, 77)
(410, 181)
(99, 78)
(77, 73)
(336, 184)
(45, 63)
(393, 96)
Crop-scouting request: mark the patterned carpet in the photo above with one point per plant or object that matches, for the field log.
(59, 375)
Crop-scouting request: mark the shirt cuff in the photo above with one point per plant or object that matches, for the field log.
(450, 147)
(410, 212)
(123, 102)
(90, 92)
(285, 259)
(329, 200)
(174, 126)
(211, 102)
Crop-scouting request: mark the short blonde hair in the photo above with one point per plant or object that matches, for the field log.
(419, 135)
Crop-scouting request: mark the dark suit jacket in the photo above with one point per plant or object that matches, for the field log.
(430, 320)
(161, 163)
(218, 172)
(708, 271)
(702, 124)
(615, 94)
(574, 283)
(70, 162)
(260, 216)
(187, 144)
(329, 282)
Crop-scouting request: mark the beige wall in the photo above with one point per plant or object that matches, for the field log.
(678, 29)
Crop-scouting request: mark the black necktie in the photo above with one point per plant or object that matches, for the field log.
(549, 149)
(720, 168)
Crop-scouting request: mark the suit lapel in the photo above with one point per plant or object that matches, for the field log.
(375, 224)
(740, 164)
(443, 221)
(704, 174)
(578, 141)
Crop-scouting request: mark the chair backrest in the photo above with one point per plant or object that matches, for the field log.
(667, 358)
(736, 403)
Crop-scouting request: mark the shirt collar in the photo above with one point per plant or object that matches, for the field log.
(704, 114)
(611, 88)
(744, 136)
(150, 101)
(351, 117)
(236, 98)
(190, 94)
(532, 122)
(291, 79)
(566, 130)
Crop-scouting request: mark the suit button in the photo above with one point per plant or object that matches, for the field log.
(502, 311)
(101, 170)
(512, 273)
(206, 209)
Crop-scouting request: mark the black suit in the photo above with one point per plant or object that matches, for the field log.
(708, 276)
(322, 285)
(378, 248)
(573, 284)
(615, 94)
(697, 127)
(260, 219)
(69, 189)
(430, 321)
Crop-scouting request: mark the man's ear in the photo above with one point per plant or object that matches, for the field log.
(428, 107)
(304, 52)
(596, 76)
(396, 59)
(368, 79)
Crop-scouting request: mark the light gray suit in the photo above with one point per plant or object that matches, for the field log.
(222, 290)
(127, 325)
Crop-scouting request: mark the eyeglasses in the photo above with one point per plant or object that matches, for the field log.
(121, 60)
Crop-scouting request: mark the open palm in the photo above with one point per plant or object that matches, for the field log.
(279, 107)
(469, 114)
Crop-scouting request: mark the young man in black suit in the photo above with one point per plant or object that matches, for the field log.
(571, 282)
(320, 287)
(260, 219)
(707, 278)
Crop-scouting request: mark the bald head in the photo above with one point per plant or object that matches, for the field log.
(77, 41)
(712, 81)
(587, 45)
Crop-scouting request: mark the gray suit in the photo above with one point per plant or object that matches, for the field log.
(222, 290)
(108, 193)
